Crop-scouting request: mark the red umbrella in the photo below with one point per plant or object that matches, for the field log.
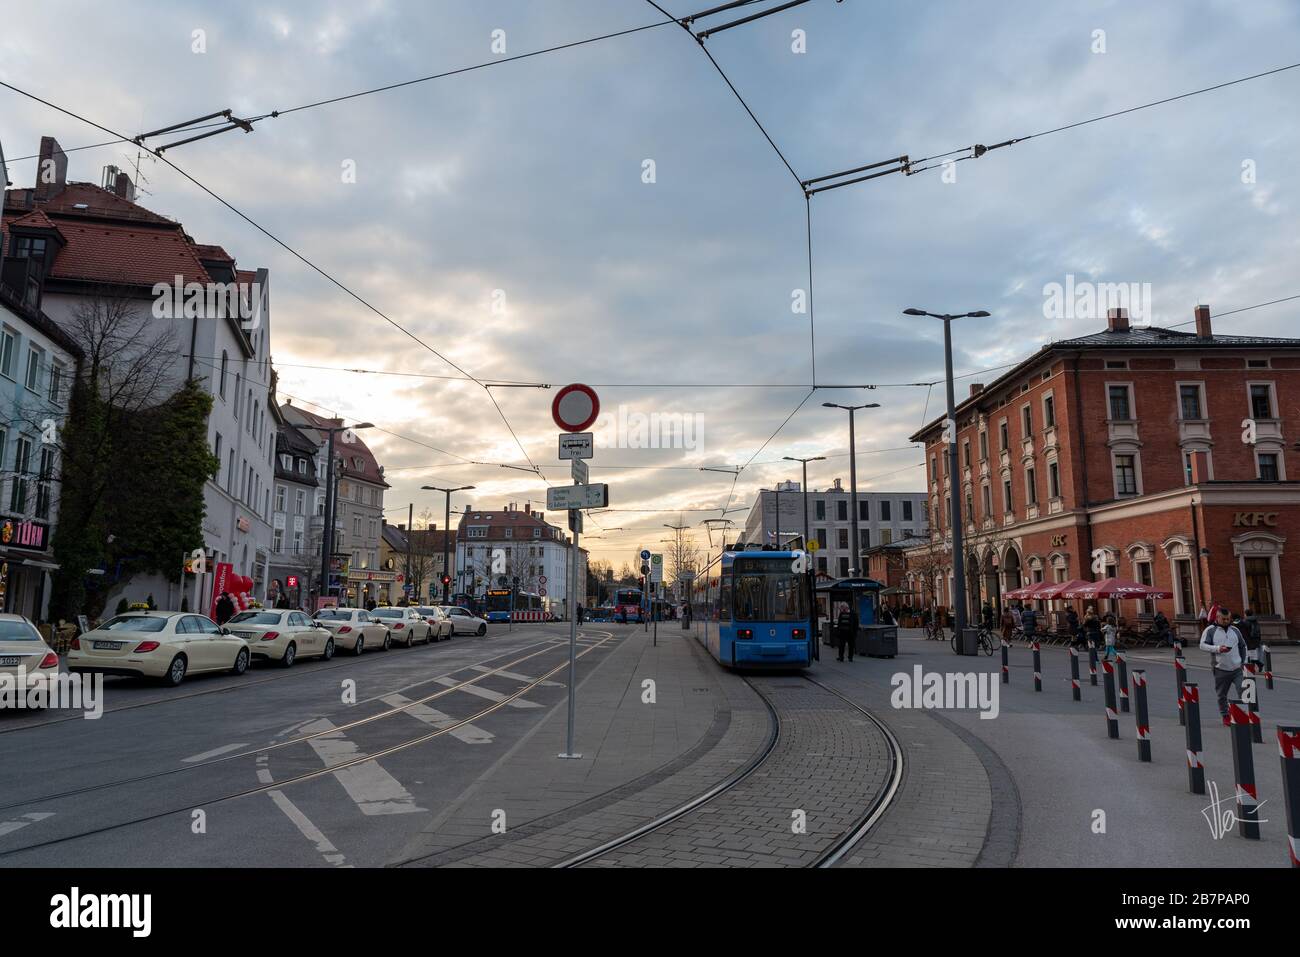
(1120, 588)
(1031, 592)
(1050, 590)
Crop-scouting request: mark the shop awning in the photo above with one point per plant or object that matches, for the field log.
(1115, 588)
(37, 563)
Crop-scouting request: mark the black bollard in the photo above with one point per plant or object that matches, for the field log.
(1243, 770)
(1180, 676)
(1074, 674)
(1038, 668)
(1092, 664)
(1006, 665)
(1122, 664)
(1191, 699)
(1143, 719)
(1251, 697)
(1268, 667)
(1288, 745)
(1112, 716)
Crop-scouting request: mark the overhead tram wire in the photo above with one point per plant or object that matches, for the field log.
(904, 164)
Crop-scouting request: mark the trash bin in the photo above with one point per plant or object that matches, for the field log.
(970, 642)
(878, 641)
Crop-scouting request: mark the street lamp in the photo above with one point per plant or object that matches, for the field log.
(853, 476)
(446, 540)
(958, 559)
(804, 462)
(327, 532)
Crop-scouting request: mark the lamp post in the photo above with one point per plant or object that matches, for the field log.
(853, 478)
(327, 532)
(958, 559)
(816, 618)
(804, 462)
(446, 536)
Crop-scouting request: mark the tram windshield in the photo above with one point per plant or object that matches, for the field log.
(767, 590)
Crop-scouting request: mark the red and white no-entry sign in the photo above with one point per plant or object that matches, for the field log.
(575, 407)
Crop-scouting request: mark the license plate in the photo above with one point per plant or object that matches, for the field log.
(9, 662)
(108, 645)
(243, 634)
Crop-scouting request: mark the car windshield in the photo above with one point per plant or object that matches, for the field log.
(255, 618)
(326, 614)
(767, 590)
(18, 631)
(388, 613)
(144, 624)
(428, 612)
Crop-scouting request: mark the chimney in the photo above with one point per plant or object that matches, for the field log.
(401, 526)
(976, 388)
(1203, 328)
(528, 508)
(51, 170)
(839, 487)
(123, 187)
(1117, 320)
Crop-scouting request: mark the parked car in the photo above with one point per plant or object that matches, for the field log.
(354, 629)
(406, 624)
(438, 621)
(169, 645)
(282, 635)
(22, 647)
(463, 621)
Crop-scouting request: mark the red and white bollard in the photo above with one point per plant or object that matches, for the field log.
(1006, 664)
(1288, 745)
(1092, 664)
(1250, 694)
(1074, 674)
(1122, 664)
(1268, 667)
(1191, 698)
(1143, 718)
(1112, 716)
(1243, 768)
(1180, 676)
(1038, 668)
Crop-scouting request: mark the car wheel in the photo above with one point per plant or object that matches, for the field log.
(328, 653)
(290, 655)
(482, 630)
(388, 641)
(241, 662)
(175, 672)
(361, 645)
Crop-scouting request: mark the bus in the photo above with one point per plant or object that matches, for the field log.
(755, 610)
(628, 605)
(525, 605)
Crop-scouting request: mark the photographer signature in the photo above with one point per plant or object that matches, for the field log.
(1221, 822)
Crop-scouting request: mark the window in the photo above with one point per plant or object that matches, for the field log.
(864, 510)
(1259, 585)
(44, 476)
(988, 500)
(1261, 400)
(1049, 411)
(821, 538)
(843, 538)
(1189, 402)
(844, 567)
(300, 502)
(884, 511)
(820, 509)
(221, 383)
(1126, 475)
(842, 510)
(984, 446)
(537, 533)
(302, 466)
(1004, 433)
(22, 462)
(1031, 486)
(1008, 505)
(477, 531)
(510, 533)
(965, 452)
(217, 452)
(1268, 470)
(237, 388)
(280, 493)
(1053, 480)
(1144, 578)
(286, 463)
(8, 341)
(1184, 591)
(277, 542)
(886, 536)
(56, 383)
(1120, 407)
(907, 511)
(1027, 420)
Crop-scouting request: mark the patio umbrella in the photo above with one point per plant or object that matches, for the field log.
(1120, 588)
(1048, 591)
(1022, 592)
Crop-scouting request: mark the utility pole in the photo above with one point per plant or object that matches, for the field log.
(446, 536)
(327, 532)
(853, 479)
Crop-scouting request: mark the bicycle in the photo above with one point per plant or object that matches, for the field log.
(933, 631)
(986, 641)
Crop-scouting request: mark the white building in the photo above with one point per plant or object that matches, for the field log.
(531, 549)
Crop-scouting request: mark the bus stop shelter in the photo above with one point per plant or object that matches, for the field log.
(862, 596)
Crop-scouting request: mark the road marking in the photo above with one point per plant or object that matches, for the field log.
(213, 753)
(17, 824)
(371, 788)
(470, 734)
(491, 695)
(515, 676)
(307, 828)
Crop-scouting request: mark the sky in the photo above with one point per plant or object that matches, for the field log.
(610, 214)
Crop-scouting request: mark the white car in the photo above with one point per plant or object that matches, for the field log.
(276, 634)
(159, 644)
(406, 624)
(437, 621)
(22, 647)
(463, 621)
(355, 630)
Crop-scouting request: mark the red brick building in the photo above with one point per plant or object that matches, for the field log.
(1157, 454)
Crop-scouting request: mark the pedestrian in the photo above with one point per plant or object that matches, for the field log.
(580, 614)
(1008, 624)
(1072, 626)
(1029, 622)
(1249, 628)
(1092, 627)
(887, 616)
(986, 615)
(1227, 650)
(1110, 634)
(1160, 624)
(1018, 616)
(283, 600)
(847, 626)
(370, 604)
(225, 608)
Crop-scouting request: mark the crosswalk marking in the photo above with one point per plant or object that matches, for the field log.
(371, 788)
(17, 824)
(494, 696)
(515, 676)
(307, 828)
(468, 733)
(213, 753)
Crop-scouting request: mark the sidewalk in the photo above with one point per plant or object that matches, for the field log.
(638, 759)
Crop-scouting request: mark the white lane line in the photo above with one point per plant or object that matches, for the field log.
(18, 823)
(307, 828)
(371, 788)
(515, 676)
(468, 733)
(213, 753)
(494, 696)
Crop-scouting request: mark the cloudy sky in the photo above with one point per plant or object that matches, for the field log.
(503, 216)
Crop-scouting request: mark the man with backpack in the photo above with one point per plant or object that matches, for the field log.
(1227, 648)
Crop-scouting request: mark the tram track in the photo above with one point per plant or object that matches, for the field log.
(310, 775)
(828, 856)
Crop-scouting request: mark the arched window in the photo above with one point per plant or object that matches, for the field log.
(225, 359)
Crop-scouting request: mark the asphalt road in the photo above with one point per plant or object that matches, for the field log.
(228, 772)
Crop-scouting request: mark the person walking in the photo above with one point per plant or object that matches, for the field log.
(1008, 624)
(1161, 626)
(1249, 629)
(847, 625)
(225, 608)
(1092, 627)
(1029, 622)
(282, 600)
(1110, 635)
(1227, 649)
(1018, 616)
(1072, 626)
(986, 615)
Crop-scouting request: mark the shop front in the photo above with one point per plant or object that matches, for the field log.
(25, 564)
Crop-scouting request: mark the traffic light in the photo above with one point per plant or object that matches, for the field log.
(446, 579)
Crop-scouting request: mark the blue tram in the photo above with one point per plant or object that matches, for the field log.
(756, 612)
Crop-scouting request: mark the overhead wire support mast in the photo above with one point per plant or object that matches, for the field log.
(705, 34)
(235, 123)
